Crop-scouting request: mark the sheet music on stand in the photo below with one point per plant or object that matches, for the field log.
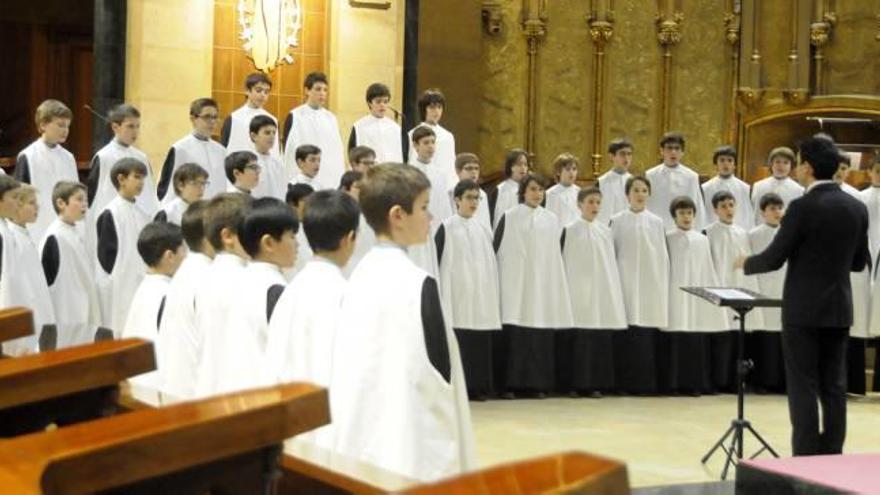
(734, 297)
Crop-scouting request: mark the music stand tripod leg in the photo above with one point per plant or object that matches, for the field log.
(762, 441)
(735, 443)
(719, 443)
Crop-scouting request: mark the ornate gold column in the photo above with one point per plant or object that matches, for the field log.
(669, 21)
(750, 88)
(820, 31)
(534, 25)
(798, 91)
(601, 23)
(731, 30)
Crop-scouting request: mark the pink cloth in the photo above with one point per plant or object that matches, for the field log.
(856, 473)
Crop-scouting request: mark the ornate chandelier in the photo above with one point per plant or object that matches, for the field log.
(269, 28)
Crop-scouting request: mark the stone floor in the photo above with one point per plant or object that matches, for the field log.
(661, 439)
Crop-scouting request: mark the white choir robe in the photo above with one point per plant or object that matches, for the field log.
(729, 242)
(42, 166)
(363, 242)
(144, 320)
(504, 197)
(482, 215)
(318, 127)
(7, 253)
(771, 283)
(273, 178)
(690, 265)
(613, 187)
(172, 212)
(27, 287)
(444, 155)
(382, 135)
(301, 178)
(643, 262)
(401, 407)
(562, 201)
(425, 255)
(236, 132)
(302, 329)
(667, 183)
(205, 152)
(304, 252)
(593, 278)
(101, 190)
(744, 215)
(120, 268)
(179, 345)
(70, 274)
(871, 198)
(861, 285)
(786, 188)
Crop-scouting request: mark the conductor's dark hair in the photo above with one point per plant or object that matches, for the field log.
(388, 185)
(155, 239)
(119, 113)
(125, 167)
(825, 136)
(186, 173)
(64, 190)
(315, 77)
(256, 78)
(8, 184)
(588, 191)
(359, 153)
(632, 180)
(296, 193)
(463, 187)
(192, 224)
(348, 179)
(536, 178)
(328, 217)
(303, 151)
(421, 132)
(196, 107)
(430, 97)
(725, 150)
(770, 199)
(237, 160)
(261, 121)
(267, 216)
(720, 196)
(822, 155)
(377, 90)
(511, 158)
(225, 211)
(672, 138)
(618, 144)
(681, 203)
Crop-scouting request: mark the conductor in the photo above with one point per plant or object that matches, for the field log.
(823, 237)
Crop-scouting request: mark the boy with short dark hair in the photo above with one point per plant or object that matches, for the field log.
(431, 106)
(671, 179)
(196, 147)
(562, 197)
(506, 194)
(377, 130)
(361, 158)
(311, 123)
(235, 134)
(724, 159)
(296, 201)
(190, 182)
(424, 146)
(273, 176)
(780, 161)
(308, 162)
(419, 426)
(612, 182)
(350, 183)
(120, 268)
(160, 245)
(242, 172)
(467, 167)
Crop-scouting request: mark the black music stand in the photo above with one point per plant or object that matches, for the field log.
(741, 301)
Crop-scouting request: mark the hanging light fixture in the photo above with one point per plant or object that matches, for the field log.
(269, 28)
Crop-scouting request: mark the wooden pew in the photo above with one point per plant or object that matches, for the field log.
(15, 323)
(68, 386)
(228, 443)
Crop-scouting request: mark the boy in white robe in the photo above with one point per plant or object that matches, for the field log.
(45, 162)
(235, 133)
(724, 159)
(9, 205)
(643, 263)
(871, 197)
(765, 345)
(377, 130)
(613, 182)
(562, 197)
(535, 303)
(780, 162)
(189, 184)
(296, 201)
(69, 269)
(303, 326)
(469, 287)
(401, 407)
(671, 179)
(216, 294)
(596, 298)
(120, 268)
(268, 236)
(179, 344)
(308, 163)
(26, 282)
(424, 144)
(506, 194)
(311, 123)
(160, 245)
(196, 147)
(273, 176)
(431, 105)
(361, 158)
(243, 172)
(684, 356)
(728, 242)
(365, 239)
(467, 166)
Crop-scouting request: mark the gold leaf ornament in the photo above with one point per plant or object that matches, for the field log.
(269, 28)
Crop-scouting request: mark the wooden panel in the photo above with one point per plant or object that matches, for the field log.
(15, 323)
